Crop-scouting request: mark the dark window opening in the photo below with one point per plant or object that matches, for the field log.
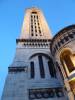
(31, 16)
(38, 23)
(31, 19)
(42, 73)
(32, 30)
(32, 69)
(35, 26)
(34, 20)
(66, 38)
(51, 68)
(62, 41)
(31, 26)
(56, 47)
(40, 34)
(71, 36)
(39, 31)
(34, 16)
(59, 44)
(35, 30)
(37, 17)
(36, 35)
(34, 12)
(32, 34)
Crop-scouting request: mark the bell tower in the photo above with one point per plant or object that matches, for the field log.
(33, 75)
(35, 25)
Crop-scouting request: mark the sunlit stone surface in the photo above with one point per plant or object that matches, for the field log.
(33, 74)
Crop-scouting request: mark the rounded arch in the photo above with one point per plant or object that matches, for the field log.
(72, 51)
(43, 54)
(67, 59)
(65, 52)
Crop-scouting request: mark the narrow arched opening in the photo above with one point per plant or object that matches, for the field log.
(42, 64)
(68, 61)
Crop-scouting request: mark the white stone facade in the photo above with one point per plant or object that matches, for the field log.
(29, 76)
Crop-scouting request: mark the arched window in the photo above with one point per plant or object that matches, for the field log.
(41, 66)
(41, 61)
(52, 69)
(68, 61)
(32, 70)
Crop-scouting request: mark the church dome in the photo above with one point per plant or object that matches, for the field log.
(63, 37)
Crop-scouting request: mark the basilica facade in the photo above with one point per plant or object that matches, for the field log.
(43, 67)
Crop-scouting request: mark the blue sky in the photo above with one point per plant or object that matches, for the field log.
(58, 13)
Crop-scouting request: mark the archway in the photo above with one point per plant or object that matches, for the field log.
(68, 61)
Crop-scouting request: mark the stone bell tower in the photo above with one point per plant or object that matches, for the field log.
(32, 75)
